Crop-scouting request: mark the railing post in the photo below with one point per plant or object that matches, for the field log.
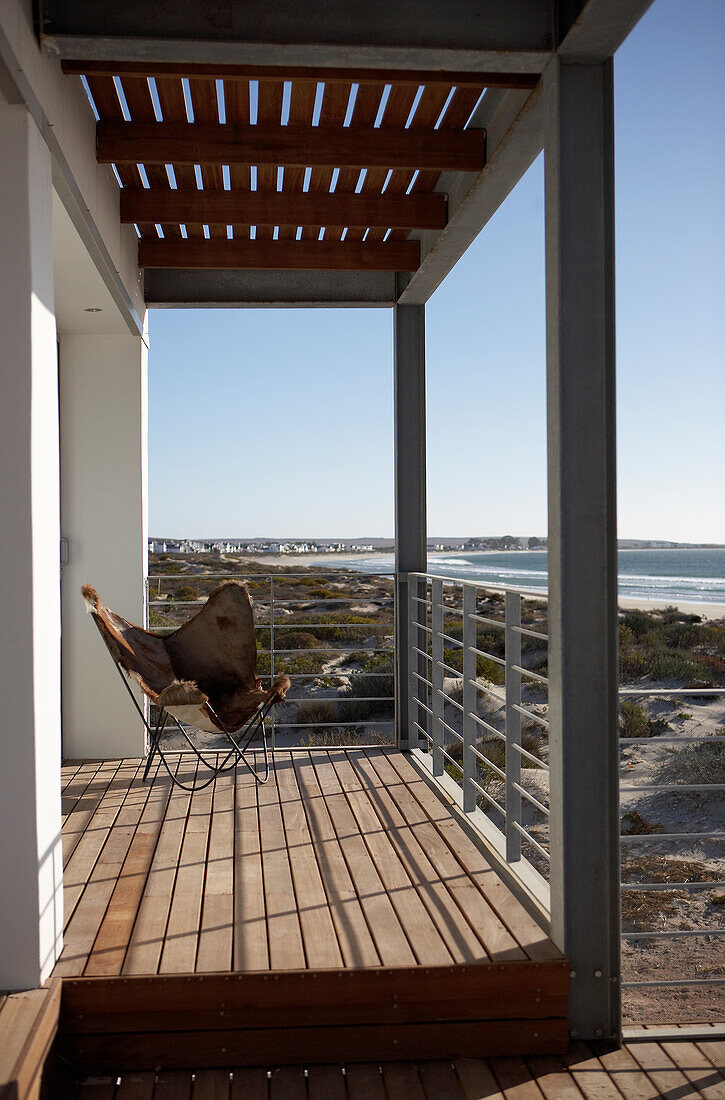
(410, 503)
(271, 651)
(513, 725)
(436, 676)
(583, 634)
(470, 697)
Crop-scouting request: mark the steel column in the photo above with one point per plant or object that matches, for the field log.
(410, 492)
(583, 654)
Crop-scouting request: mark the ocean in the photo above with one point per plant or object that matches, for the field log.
(692, 576)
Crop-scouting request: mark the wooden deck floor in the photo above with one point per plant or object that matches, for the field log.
(344, 859)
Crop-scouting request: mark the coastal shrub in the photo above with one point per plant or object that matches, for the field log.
(379, 686)
(297, 639)
(337, 737)
(703, 762)
(662, 665)
(634, 721)
(308, 665)
(311, 712)
(633, 824)
(187, 593)
(485, 667)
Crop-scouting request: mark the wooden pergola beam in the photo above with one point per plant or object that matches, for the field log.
(319, 146)
(286, 208)
(279, 255)
(427, 77)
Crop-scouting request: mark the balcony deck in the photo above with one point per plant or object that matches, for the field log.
(344, 866)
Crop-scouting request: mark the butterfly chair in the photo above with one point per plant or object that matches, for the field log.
(203, 675)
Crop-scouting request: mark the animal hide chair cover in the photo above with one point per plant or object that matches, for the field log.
(205, 673)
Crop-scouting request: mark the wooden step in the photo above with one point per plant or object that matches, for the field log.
(315, 1016)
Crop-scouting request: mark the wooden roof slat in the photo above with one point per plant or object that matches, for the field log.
(140, 105)
(173, 108)
(279, 255)
(164, 142)
(236, 100)
(364, 113)
(302, 104)
(289, 208)
(332, 115)
(269, 115)
(456, 116)
(206, 110)
(397, 110)
(108, 105)
(429, 77)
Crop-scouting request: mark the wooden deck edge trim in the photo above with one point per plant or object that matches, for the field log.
(309, 1045)
(673, 1033)
(22, 1079)
(531, 891)
(292, 999)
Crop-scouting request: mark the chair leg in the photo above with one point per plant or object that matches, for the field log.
(155, 738)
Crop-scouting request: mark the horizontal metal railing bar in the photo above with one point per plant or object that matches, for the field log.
(528, 672)
(417, 702)
(674, 981)
(424, 732)
(530, 714)
(455, 672)
(542, 851)
(450, 729)
(488, 656)
(449, 758)
(316, 725)
(672, 691)
(674, 933)
(422, 679)
(488, 727)
(330, 626)
(531, 593)
(487, 796)
(452, 702)
(485, 760)
(347, 699)
(455, 641)
(171, 599)
(660, 787)
(673, 885)
(486, 621)
(420, 626)
(650, 837)
(334, 649)
(530, 756)
(497, 695)
(332, 675)
(421, 599)
(421, 653)
(530, 633)
(685, 739)
(530, 798)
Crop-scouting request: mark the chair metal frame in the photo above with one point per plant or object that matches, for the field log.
(241, 740)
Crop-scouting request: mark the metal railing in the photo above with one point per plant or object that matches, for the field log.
(477, 720)
(477, 696)
(331, 632)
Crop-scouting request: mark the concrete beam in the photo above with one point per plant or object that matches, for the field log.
(514, 124)
(583, 627)
(461, 34)
(257, 289)
(592, 30)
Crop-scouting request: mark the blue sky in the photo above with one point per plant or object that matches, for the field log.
(279, 422)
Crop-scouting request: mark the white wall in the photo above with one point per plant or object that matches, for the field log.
(30, 848)
(103, 386)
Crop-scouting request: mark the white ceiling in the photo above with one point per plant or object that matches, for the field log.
(77, 284)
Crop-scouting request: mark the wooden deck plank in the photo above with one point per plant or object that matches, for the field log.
(589, 1074)
(147, 936)
(440, 1081)
(251, 946)
(217, 915)
(249, 1083)
(286, 949)
(477, 1079)
(136, 1086)
(627, 1075)
(109, 950)
(515, 1080)
(212, 1084)
(460, 937)
(86, 803)
(661, 1070)
(553, 1078)
(364, 1082)
(178, 955)
(318, 931)
(93, 880)
(697, 1068)
(390, 938)
(425, 939)
(356, 943)
(288, 1083)
(402, 1080)
(529, 935)
(466, 891)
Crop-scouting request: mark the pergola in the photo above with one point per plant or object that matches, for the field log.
(346, 154)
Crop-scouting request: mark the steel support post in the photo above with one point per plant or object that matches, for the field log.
(410, 500)
(583, 634)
